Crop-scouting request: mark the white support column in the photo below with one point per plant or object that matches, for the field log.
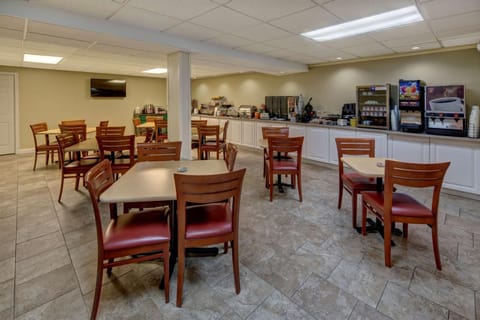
(179, 101)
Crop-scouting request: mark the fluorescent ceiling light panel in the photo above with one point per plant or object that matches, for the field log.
(377, 22)
(156, 70)
(41, 59)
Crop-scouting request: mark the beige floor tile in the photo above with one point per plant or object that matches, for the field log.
(6, 296)
(39, 245)
(400, 303)
(444, 292)
(7, 269)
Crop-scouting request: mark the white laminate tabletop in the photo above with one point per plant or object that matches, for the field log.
(153, 180)
(369, 167)
(147, 125)
(57, 131)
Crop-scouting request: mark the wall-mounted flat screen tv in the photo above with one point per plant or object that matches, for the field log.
(108, 88)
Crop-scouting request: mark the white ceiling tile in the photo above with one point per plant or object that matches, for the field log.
(13, 23)
(57, 40)
(60, 31)
(298, 42)
(459, 24)
(11, 34)
(350, 10)
(230, 41)
(192, 31)
(422, 46)
(411, 40)
(92, 8)
(306, 20)
(461, 40)
(47, 48)
(224, 19)
(144, 19)
(261, 32)
(267, 10)
(443, 8)
(368, 50)
(180, 9)
(257, 48)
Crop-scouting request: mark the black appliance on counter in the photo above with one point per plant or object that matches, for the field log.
(445, 110)
(349, 110)
(411, 105)
(277, 106)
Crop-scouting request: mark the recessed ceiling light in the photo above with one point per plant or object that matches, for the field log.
(415, 48)
(156, 70)
(339, 58)
(41, 59)
(376, 22)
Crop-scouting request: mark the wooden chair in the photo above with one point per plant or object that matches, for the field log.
(72, 122)
(166, 151)
(40, 148)
(209, 141)
(280, 165)
(161, 130)
(127, 236)
(111, 146)
(136, 122)
(391, 207)
(110, 131)
(78, 129)
(272, 132)
(223, 139)
(153, 118)
(208, 209)
(76, 166)
(195, 142)
(231, 151)
(103, 123)
(353, 182)
(159, 151)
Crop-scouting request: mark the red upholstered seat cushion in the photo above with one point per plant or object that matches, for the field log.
(284, 164)
(359, 182)
(208, 221)
(136, 229)
(403, 205)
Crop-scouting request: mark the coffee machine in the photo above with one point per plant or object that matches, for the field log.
(445, 110)
(411, 105)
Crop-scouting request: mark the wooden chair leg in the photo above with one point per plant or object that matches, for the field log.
(354, 209)
(405, 230)
(436, 251)
(166, 272)
(225, 247)
(181, 267)
(98, 290)
(61, 190)
(299, 187)
(340, 194)
(35, 161)
(364, 219)
(270, 185)
(387, 243)
(109, 270)
(236, 267)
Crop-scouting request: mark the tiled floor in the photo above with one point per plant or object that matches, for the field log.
(298, 260)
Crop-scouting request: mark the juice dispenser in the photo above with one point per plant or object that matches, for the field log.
(411, 105)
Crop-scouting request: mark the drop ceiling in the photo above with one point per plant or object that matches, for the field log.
(223, 36)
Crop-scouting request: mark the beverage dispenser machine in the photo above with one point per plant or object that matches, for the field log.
(411, 105)
(445, 110)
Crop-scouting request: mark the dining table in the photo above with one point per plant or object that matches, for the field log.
(371, 167)
(56, 131)
(91, 144)
(153, 181)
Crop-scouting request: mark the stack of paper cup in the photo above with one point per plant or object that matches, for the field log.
(474, 123)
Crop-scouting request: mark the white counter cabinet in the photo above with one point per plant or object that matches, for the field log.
(409, 148)
(316, 144)
(249, 136)
(464, 171)
(381, 142)
(235, 129)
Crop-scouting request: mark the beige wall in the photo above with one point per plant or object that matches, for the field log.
(51, 96)
(332, 86)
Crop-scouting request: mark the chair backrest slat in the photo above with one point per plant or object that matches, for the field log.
(159, 151)
(110, 131)
(275, 132)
